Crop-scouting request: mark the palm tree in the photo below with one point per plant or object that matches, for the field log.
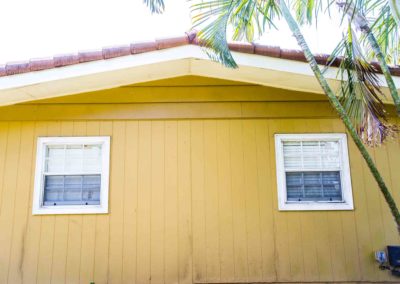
(356, 11)
(384, 25)
(341, 111)
(214, 16)
(354, 64)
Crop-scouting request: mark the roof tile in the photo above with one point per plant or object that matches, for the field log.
(290, 54)
(17, 67)
(241, 47)
(90, 55)
(265, 50)
(321, 58)
(65, 60)
(191, 35)
(198, 41)
(116, 51)
(37, 64)
(141, 47)
(395, 71)
(164, 43)
(3, 70)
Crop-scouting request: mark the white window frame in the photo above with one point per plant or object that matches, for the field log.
(38, 208)
(345, 177)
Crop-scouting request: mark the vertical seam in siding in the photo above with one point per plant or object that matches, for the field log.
(218, 197)
(245, 201)
(137, 197)
(191, 198)
(231, 192)
(15, 192)
(204, 198)
(151, 197)
(258, 201)
(32, 168)
(123, 202)
(4, 166)
(177, 202)
(40, 238)
(270, 167)
(54, 230)
(95, 228)
(80, 243)
(66, 254)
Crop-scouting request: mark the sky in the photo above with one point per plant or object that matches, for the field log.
(43, 28)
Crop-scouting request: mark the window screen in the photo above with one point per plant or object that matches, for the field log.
(312, 171)
(72, 175)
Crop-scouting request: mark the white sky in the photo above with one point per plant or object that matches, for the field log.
(43, 28)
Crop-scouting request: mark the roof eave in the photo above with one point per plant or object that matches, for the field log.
(159, 64)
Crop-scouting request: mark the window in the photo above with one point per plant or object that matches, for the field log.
(313, 172)
(71, 175)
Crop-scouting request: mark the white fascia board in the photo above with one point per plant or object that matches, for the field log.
(94, 67)
(156, 65)
(292, 66)
(276, 72)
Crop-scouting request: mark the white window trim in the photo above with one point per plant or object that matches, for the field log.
(39, 209)
(283, 205)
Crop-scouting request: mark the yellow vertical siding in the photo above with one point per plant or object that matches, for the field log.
(191, 201)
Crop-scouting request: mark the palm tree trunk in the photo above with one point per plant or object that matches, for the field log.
(339, 109)
(362, 24)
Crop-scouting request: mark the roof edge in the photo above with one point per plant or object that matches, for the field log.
(63, 60)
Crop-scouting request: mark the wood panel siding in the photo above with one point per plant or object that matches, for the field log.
(193, 191)
(191, 201)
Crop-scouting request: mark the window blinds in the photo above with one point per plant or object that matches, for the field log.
(72, 190)
(312, 170)
(72, 175)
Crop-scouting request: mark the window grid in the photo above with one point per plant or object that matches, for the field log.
(52, 195)
(320, 156)
(316, 170)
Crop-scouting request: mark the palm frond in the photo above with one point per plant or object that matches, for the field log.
(360, 92)
(246, 17)
(387, 33)
(213, 16)
(245, 20)
(268, 10)
(354, 11)
(395, 10)
(305, 10)
(156, 6)
(375, 16)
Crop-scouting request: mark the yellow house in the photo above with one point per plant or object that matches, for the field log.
(149, 163)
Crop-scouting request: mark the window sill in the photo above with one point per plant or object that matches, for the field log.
(315, 206)
(58, 210)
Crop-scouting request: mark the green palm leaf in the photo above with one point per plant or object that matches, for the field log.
(360, 92)
(386, 30)
(246, 17)
(395, 10)
(213, 17)
(156, 6)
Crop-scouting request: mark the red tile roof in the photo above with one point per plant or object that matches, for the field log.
(32, 65)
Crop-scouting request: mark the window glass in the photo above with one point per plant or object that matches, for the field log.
(72, 190)
(308, 168)
(313, 186)
(61, 188)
